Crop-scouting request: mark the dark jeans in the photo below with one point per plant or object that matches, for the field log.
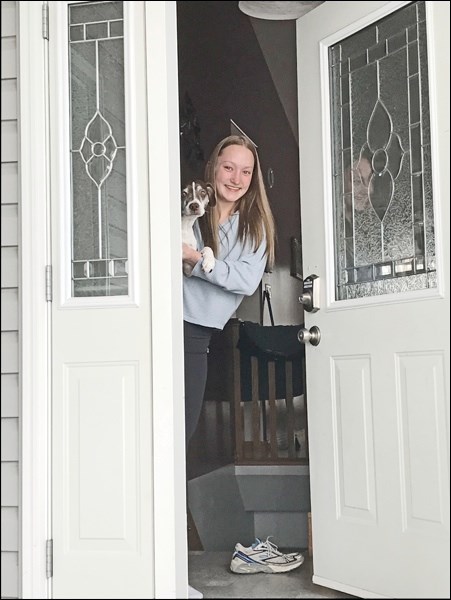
(196, 341)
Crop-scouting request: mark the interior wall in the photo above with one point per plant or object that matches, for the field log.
(223, 75)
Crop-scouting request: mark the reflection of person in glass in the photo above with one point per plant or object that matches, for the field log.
(362, 182)
(240, 230)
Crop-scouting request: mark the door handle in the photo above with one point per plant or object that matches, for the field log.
(310, 336)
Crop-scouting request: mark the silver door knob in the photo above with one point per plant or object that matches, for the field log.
(310, 336)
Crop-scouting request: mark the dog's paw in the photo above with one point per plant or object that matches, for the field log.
(208, 260)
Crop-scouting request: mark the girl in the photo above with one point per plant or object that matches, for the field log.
(240, 230)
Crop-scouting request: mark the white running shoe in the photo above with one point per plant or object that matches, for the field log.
(263, 557)
(193, 593)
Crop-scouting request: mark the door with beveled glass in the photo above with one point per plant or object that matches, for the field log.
(374, 145)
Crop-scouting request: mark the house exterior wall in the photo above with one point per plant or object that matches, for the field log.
(10, 293)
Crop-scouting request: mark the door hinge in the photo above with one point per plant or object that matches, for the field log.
(49, 559)
(45, 21)
(48, 284)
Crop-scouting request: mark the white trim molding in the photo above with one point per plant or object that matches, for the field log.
(34, 344)
(171, 554)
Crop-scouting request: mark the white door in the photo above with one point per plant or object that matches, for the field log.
(116, 327)
(378, 382)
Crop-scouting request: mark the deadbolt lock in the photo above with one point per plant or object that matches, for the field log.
(310, 293)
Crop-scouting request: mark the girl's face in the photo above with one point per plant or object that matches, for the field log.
(233, 173)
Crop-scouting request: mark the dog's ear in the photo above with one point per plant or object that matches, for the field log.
(211, 194)
(185, 192)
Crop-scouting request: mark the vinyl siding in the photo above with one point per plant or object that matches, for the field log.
(10, 290)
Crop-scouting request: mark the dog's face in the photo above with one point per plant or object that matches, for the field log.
(195, 197)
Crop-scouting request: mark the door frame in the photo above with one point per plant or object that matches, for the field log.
(170, 530)
(34, 390)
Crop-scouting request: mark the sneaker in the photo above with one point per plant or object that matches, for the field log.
(193, 593)
(263, 557)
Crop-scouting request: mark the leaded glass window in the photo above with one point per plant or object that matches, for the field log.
(384, 221)
(98, 151)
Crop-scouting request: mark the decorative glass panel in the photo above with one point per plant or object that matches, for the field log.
(382, 184)
(99, 199)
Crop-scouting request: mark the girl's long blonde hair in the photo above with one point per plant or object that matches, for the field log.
(256, 221)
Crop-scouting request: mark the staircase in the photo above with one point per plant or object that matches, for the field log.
(237, 503)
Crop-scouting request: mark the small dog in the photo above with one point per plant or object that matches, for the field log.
(195, 198)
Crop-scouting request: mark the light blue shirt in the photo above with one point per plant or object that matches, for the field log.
(210, 299)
